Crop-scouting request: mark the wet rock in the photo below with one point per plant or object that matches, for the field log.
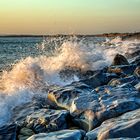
(25, 133)
(125, 126)
(63, 97)
(99, 79)
(8, 132)
(122, 70)
(20, 112)
(90, 110)
(59, 135)
(47, 120)
(128, 80)
(137, 71)
(138, 138)
(137, 86)
(136, 60)
(119, 60)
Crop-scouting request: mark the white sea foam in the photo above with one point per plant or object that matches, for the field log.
(31, 75)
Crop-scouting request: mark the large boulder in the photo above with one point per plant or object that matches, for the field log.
(20, 112)
(120, 60)
(99, 79)
(90, 110)
(8, 132)
(59, 135)
(47, 120)
(126, 126)
(62, 97)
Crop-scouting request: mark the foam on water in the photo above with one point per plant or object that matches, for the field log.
(31, 75)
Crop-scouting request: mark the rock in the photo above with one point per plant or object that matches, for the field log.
(125, 69)
(138, 138)
(22, 137)
(90, 110)
(25, 133)
(59, 135)
(99, 79)
(137, 71)
(119, 60)
(63, 97)
(137, 86)
(128, 80)
(125, 126)
(8, 132)
(20, 112)
(47, 120)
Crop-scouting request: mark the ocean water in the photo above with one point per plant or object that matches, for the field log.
(28, 65)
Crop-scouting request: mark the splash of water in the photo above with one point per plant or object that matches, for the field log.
(31, 75)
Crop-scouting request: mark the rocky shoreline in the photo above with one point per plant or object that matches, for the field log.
(103, 105)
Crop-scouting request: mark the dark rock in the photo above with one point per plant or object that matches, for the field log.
(8, 132)
(47, 120)
(99, 79)
(128, 80)
(90, 110)
(59, 135)
(119, 60)
(125, 69)
(20, 112)
(25, 133)
(125, 126)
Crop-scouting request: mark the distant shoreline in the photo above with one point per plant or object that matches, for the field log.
(78, 35)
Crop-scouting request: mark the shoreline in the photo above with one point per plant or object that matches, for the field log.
(78, 35)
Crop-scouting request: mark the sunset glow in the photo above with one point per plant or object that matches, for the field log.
(68, 16)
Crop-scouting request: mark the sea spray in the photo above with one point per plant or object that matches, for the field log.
(32, 75)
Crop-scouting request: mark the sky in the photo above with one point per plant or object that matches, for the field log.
(69, 16)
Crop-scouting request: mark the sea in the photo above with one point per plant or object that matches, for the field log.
(29, 65)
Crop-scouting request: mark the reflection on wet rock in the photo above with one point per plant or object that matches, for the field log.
(125, 126)
(47, 120)
(59, 135)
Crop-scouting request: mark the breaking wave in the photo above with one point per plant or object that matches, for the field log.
(30, 76)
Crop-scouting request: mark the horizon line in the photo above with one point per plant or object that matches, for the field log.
(41, 35)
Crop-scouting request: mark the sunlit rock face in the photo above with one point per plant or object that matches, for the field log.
(90, 108)
(59, 135)
(91, 111)
(126, 126)
(64, 96)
